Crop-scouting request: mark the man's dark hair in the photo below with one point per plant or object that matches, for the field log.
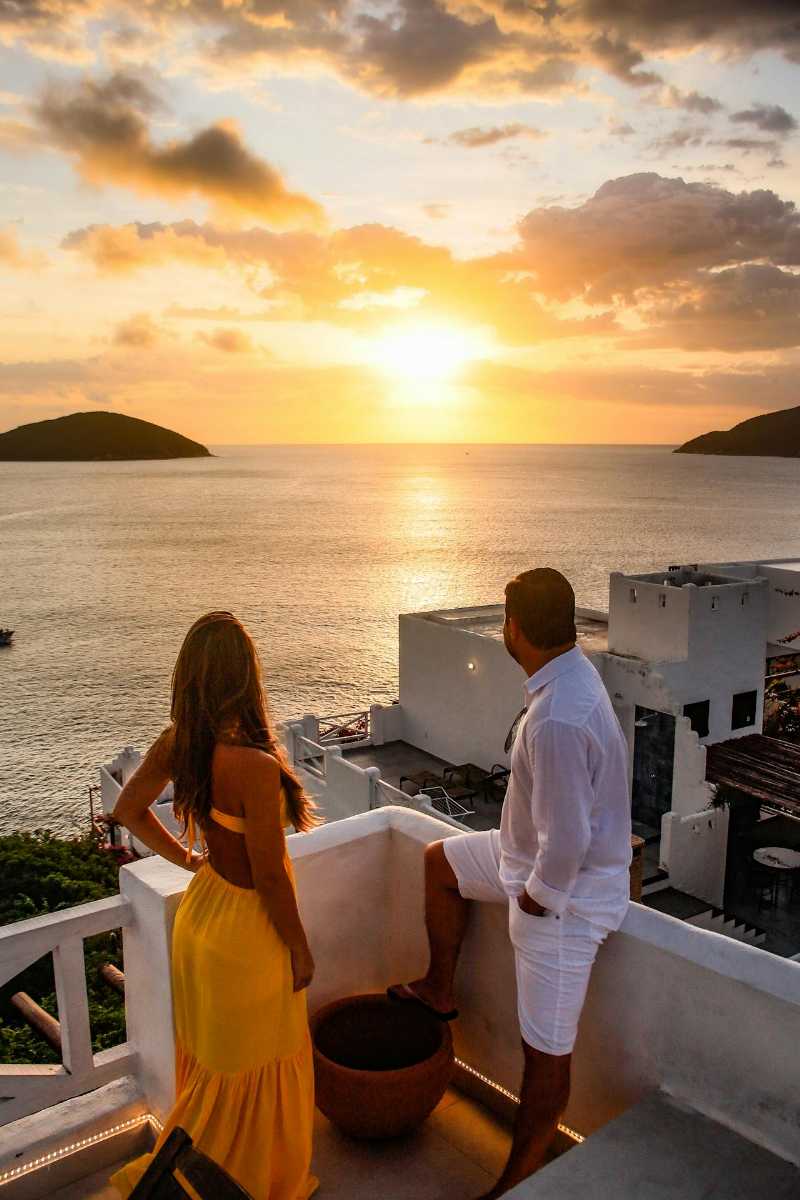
(542, 602)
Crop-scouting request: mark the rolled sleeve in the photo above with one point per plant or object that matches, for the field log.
(562, 799)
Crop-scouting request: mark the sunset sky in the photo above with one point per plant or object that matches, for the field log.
(290, 221)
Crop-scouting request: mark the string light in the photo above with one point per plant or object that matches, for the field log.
(571, 1133)
(46, 1160)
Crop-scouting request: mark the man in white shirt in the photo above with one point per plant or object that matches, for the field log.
(560, 859)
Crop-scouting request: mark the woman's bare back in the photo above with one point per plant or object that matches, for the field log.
(231, 777)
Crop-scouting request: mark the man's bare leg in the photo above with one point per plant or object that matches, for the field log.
(446, 914)
(542, 1102)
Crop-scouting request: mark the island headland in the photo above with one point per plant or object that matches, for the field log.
(95, 437)
(775, 434)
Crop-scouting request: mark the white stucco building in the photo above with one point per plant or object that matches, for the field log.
(684, 654)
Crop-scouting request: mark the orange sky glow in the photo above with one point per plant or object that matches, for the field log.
(418, 221)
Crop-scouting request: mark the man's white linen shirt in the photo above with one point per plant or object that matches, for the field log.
(565, 835)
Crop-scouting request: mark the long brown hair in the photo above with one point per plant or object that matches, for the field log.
(217, 690)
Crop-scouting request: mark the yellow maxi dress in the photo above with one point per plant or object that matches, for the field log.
(244, 1066)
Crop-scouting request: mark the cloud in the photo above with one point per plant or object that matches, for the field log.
(348, 277)
(623, 60)
(437, 212)
(18, 137)
(653, 25)
(103, 126)
(620, 129)
(484, 49)
(138, 332)
(231, 341)
(752, 307)
(12, 254)
(643, 230)
(747, 145)
(419, 47)
(688, 263)
(769, 118)
(476, 137)
(679, 139)
(694, 102)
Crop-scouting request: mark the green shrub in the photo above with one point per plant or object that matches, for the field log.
(42, 873)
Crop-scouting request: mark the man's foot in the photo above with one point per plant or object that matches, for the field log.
(420, 992)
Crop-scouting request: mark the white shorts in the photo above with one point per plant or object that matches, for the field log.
(553, 954)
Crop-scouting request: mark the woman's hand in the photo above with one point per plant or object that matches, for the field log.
(196, 861)
(302, 967)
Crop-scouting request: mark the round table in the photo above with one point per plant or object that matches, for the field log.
(780, 858)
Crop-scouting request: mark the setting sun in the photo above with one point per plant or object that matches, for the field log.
(425, 352)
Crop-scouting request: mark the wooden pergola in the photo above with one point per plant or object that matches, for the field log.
(766, 768)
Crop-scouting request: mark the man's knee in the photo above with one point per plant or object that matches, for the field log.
(546, 1079)
(437, 868)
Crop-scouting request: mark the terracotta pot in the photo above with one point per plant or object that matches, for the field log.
(380, 1067)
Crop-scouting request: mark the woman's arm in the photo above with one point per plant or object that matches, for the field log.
(133, 805)
(266, 848)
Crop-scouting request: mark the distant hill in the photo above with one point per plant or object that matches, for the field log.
(93, 437)
(776, 434)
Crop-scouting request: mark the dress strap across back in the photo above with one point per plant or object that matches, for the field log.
(227, 820)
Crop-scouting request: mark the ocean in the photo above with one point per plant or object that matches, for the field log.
(103, 567)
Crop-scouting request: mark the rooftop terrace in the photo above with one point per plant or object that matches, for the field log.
(488, 620)
(685, 1071)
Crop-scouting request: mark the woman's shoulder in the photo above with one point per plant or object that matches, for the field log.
(250, 758)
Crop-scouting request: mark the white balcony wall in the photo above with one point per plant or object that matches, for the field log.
(348, 789)
(694, 849)
(387, 723)
(711, 1021)
(457, 713)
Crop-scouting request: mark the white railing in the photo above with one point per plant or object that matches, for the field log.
(24, 1088)
(343, 729)
(309, 755)
(386, 794)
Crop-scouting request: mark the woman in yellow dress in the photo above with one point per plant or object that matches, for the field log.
(240, 958)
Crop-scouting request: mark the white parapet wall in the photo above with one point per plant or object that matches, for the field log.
(459, 691)
(711, 1021)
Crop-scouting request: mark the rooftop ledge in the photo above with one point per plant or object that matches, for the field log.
(676, 1017)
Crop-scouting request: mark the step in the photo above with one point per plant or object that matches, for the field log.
(716, 921)
(659, 1149)
(57, 1147)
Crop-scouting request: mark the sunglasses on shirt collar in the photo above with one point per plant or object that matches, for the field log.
(512, 733)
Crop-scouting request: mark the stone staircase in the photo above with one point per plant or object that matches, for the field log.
(719, 922)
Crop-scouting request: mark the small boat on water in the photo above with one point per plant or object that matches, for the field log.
(5, 636)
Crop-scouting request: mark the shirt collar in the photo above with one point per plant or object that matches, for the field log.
(551, 670)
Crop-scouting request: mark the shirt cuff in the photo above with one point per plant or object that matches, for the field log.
(548, 897)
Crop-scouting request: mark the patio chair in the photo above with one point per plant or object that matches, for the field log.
(421, 779)
(466, 775)
(207, 1178)
(496, 783)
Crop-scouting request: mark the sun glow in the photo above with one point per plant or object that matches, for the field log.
(423, 352)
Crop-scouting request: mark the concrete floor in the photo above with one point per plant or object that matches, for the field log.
(658, 1151)
(396, 759)
(458, 1153)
